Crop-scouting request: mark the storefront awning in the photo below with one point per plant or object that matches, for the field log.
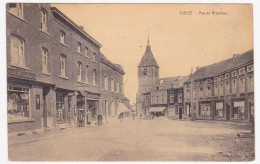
(156, 109)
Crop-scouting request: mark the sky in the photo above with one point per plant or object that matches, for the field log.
(182, 36)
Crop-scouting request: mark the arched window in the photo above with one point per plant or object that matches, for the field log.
(43, 20)
(17, 51)
(44, 60)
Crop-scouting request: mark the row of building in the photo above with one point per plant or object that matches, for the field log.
(220, 91)
(56, 75)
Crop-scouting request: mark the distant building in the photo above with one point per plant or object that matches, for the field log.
(223, 90)
(112, 101)
(148, 74)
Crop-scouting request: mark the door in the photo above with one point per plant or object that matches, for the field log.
(44, 107)
(180, 112)
(81, 118)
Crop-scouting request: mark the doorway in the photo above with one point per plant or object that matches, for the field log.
(44, 95)
(180, 112)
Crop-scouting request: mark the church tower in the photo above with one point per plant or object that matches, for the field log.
(148, 73)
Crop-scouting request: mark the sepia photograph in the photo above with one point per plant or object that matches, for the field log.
(130, 82)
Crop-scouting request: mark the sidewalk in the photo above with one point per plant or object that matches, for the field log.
(30, 138)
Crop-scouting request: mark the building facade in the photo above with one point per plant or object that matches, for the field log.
(53, 70)
(224, 90)
(112, 101)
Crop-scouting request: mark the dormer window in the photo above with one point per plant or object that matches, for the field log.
(227, 76)
(241, 71)
(234, 73)
(250, 68)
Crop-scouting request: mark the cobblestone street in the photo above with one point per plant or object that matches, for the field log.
(140, 140)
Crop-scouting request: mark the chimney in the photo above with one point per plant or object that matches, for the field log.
(235, 55)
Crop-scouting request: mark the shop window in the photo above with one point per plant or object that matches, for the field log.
(60, 107)
(219, 109)
(43, 20)
(239, 109)
(16, 9)
(44, 60)
(17, 51)
(18, 103)
(205, 109)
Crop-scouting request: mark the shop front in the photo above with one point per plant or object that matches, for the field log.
(205, 110)
(157, 111)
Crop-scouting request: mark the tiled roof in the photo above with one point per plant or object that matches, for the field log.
(148, 58)
(223, 66)
(171, 82)
(118, 67)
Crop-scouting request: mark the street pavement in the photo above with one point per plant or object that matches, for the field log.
(139, 140)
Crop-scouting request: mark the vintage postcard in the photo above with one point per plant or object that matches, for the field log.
(130, 82)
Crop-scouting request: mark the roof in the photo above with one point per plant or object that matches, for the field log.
(172, 82)
(224, 66)
(78, 28)
(148, 58)
(116, 67)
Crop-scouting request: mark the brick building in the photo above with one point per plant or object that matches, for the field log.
(53, 70)
(112, 101)
(224, 90)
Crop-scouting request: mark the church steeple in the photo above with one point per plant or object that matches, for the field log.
(148, 58)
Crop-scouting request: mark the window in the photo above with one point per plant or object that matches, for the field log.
(112, 85)
(241, 71)
(86, 51)
(172, 98)
(216, 90)
(117, 86)
(44, 60)
(221, 89)
(242, 85)
(179, 97)
(60, 107)
(106, 82)
(122, 88)
(62, 37)
(86, 73)
(79, 71)
(18, 103)
(227, 76)
(145, 71)
(215, 79)
(62, 65)
(220, 78)
(17, 51)
(250, 84)
(208, 91)
(227, 88)
(234, 86)
(79, 47)
(234, 73)
(250, 68)
(201, 92)
(187, 93)
(94, 77)
(94, 57)
(16, 9)
(43, 20)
